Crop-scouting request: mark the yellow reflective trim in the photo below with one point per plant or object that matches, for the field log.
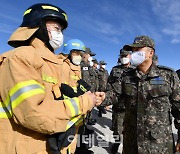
(26, 95)
(76, 44)
(7, 101)
(76, 120)
(23, 84)
(82, 88)
(6, 115)
(2, 105)
(27, 11)
(73, 104)
(75, 89)
(65, 44)
(71, 122)
(65, 16)
(50, 7)
(17, 94)
(74, 77)
(65, 97)
(69, 151)
(78, 104)
(71, 108)
(49, 79)
(80, 121)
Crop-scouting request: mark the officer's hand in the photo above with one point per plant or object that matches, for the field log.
(100, 96)
(178, 147)
(92, 95)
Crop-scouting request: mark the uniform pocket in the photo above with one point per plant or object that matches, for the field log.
(130, 89)
(159, 91)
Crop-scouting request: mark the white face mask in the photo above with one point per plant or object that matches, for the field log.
(125, 60)
(97, 66)
(56, 40)
(137, 58)
(103, 66)
(91, 63)
(90, 59)
(76, 60)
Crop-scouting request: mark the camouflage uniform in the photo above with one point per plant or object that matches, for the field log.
(89, 75)
(102, 77)
(118, 107)
(150, 101)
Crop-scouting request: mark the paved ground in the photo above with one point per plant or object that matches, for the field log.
(102, 139)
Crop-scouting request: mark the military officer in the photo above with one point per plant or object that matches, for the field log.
(151, 94)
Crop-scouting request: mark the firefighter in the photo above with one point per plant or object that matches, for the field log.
(29, 109)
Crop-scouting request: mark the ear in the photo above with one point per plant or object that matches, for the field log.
(151, 53)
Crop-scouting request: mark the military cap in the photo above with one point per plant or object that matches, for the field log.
(102, 62)
(124, 52)
(95, 61)
(88, 50)
(140, 42)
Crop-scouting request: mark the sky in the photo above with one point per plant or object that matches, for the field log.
(105, 26)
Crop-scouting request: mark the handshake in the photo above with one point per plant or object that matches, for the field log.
(82, 88)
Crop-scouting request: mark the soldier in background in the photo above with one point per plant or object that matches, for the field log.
(89, 76)
(87, 70)
(118, 109)
(95, 66)
(178, 72)
(103, 78)
(150, 93)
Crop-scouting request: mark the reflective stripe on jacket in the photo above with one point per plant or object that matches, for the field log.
(28, 111)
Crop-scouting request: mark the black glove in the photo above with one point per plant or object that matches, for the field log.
(68, 91)
(82, 87)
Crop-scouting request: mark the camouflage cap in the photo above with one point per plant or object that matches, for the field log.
(102, 62)
(88, 50)
(124, 53)
(139, 42)
(95, 61)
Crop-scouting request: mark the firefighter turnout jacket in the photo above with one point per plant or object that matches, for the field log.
(30, 79)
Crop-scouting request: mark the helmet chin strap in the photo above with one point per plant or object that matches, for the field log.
(42, 34)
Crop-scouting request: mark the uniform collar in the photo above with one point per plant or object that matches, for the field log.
(45, 52)
(153, 72)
